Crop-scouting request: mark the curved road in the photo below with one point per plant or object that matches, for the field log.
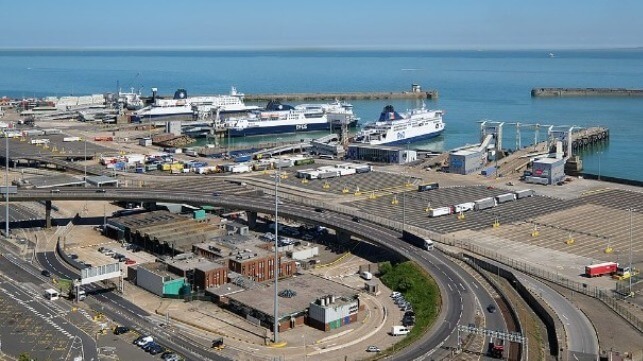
(461, 293)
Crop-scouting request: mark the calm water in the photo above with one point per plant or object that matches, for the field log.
(473, 85)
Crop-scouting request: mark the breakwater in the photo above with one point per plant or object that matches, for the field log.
(586, 92)
(300, 97)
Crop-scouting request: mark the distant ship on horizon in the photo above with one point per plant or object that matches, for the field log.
(552, 55)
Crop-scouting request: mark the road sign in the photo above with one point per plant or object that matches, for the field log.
(9, 189)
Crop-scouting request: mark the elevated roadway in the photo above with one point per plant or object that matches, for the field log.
(462, 295)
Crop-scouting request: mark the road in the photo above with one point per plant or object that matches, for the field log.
(38, 313)
(461, 293)
(582, 340)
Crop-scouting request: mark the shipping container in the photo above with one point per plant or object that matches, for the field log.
(428, 187)
(240, 168)
(327, 174)
(524, 193)
(442, 211)
(191, 153)
(484, 203)
(601, 269)
(304, 161)
(504, 198)
(72, 139)
(150, 167)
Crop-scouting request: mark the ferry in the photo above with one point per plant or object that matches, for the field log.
(401, 128)
(182, 107)
(338, 113)
(277, 118)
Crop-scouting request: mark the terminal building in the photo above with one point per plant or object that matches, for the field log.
(306, 299)
(546, 171)
(380, 153)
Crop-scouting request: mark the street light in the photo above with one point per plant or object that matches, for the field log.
(631, 270)
(85, 163)
(275, 266)
(6, 183)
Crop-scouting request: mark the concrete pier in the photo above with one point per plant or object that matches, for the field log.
(302, 97)
(586, 92)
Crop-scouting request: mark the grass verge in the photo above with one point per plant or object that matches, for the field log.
(420, 289)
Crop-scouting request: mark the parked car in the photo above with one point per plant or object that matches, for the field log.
(373, 349)
(143, 340)
(45, 273)
(396, 294)
(491, 308)
(121, 330)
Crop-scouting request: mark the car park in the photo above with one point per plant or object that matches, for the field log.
(373, 349)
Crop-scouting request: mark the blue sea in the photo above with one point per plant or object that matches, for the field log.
(472, 86)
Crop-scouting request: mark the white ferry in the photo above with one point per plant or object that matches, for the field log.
(338, 113)
(277, 118)
(395, 128)
(182, 107)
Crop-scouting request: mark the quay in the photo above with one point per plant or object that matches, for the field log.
(301, 97)
(586, 92)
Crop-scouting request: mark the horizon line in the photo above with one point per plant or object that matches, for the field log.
(312, 48)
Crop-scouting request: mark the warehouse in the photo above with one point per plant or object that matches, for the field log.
(155, 278)
(547, 171)
(380, 153)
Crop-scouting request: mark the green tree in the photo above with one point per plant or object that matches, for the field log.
(385, 267)
(24, 357)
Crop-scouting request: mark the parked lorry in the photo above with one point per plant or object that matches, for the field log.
(441, 211)
(600, 269)
(484, 203)
(504, 198)
(417, 241)
(524, 193)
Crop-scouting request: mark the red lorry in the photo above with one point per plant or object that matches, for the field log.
(600, 269)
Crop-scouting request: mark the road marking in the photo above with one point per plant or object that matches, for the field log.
(462, 286)
(451, 288)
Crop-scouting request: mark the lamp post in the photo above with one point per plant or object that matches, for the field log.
(276, 266)
(6, 184)
(631, 270)
(85, 163)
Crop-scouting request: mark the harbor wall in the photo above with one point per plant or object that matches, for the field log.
(432, 94)
(586, 92)
(604, 178)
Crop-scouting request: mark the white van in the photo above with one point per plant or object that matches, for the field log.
(366, 275)
(399, 330)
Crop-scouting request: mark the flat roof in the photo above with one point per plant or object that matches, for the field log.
(101, 179)
(159, 269)
(192, 263)
(308, 288)
(51, 181)
(548, 160)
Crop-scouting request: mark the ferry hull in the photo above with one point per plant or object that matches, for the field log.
(408, 140)
(282, 129)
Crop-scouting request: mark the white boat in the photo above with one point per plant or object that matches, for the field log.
(182, 107)
(276, 119)
(400, 128)
(337, 112)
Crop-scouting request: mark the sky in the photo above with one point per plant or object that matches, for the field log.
(376, 24)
